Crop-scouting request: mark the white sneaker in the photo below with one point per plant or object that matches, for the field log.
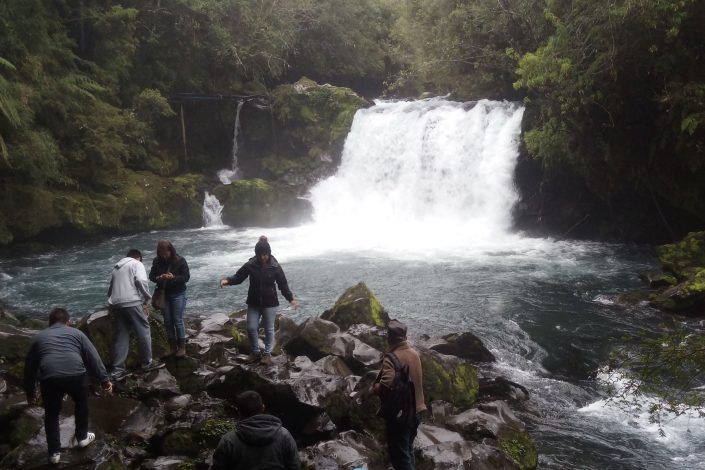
(54, 458)
(90, 437)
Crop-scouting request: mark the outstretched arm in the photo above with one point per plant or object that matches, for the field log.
(238, 278)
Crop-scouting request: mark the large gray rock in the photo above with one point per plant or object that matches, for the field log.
(462, 455)
(465, 346)
(495, 420)
(159, 383)
(143, 423)
(349, 451)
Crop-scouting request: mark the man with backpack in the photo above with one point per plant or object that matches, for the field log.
(400, 387)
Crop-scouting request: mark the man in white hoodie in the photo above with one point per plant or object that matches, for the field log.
(129, 297)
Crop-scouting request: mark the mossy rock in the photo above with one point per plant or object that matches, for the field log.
(357, 305)
(182, 441)
(519, 447)
(302, 139)
(134, 201)
(256, 202)
(448, 378)
(658, 279)
(211, 430)
(685, 258)
(100, 329)
(689, 295)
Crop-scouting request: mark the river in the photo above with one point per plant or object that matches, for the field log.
(420, 211)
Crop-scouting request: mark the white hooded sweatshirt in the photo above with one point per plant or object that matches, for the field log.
(128, 285)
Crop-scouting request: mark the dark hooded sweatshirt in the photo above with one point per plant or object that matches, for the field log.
(258, 442)
(262, 292)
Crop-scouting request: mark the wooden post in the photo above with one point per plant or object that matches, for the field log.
(183, 139)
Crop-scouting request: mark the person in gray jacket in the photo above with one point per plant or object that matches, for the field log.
(61, 356)
(259, 441)
(128, 297)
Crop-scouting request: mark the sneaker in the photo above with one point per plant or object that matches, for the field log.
(253, 358)
(54, 458)
(119, 375)
(266, 359)
(154, 365)
(90, 437)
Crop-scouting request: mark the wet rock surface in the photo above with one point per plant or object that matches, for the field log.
(318, 384)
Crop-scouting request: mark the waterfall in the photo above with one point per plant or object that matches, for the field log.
(423, 173)
(212, 211)
(227, 176)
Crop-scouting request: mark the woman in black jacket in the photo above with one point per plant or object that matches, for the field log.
(262, 301)
(170, 272)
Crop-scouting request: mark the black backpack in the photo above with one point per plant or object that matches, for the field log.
(399, 406)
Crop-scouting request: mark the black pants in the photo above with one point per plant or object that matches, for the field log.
(400, 441)
(53, 391)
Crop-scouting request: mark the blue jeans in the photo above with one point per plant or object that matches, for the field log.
(268, 314)
(174, 317)
(400, 440)
(125, 318)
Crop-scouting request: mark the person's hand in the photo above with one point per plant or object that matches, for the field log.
(223, 283)
(145, 308)
(108, 386)
(294, 304)
(168, 276)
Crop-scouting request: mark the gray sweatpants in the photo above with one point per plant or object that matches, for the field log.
(135, 317)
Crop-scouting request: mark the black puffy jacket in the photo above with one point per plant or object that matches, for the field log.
(259, 442)
(178, 267)
(262, 292)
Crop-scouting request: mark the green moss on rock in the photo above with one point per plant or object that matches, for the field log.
(134, 201)
(261, 203)
(685, 258)
(448, 379)
(520, 448)
(357, 305)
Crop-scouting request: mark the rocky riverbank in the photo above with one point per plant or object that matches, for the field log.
(318, 384)
(678, 286)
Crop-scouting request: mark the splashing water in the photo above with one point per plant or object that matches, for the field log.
(212, 211)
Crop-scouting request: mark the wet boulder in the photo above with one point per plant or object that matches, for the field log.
(169, 462)
(142, 424)
(357, 305)
(688, 295)
(317, 338)
(14, 342)
(349, 450)
(295, 392)
(441, 411)
(499, 388)
(160, 383)
(658, 279)
(495, 420)
(448, 378)
(319, 428)
(462, 454)
(374, 336)
(465, 346)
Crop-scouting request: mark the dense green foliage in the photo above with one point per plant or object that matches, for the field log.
(86, 86)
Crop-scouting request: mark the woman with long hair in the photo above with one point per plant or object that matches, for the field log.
(170, 272)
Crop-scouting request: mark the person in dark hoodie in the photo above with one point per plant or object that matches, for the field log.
(259, 441)
(170, 272)
(262, 301)
(128, 297)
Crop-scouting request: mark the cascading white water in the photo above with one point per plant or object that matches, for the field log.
(212, 211)
(414, 173)
(227, 176)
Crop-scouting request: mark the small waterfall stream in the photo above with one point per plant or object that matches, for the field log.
(227, 176)
(212, 211)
